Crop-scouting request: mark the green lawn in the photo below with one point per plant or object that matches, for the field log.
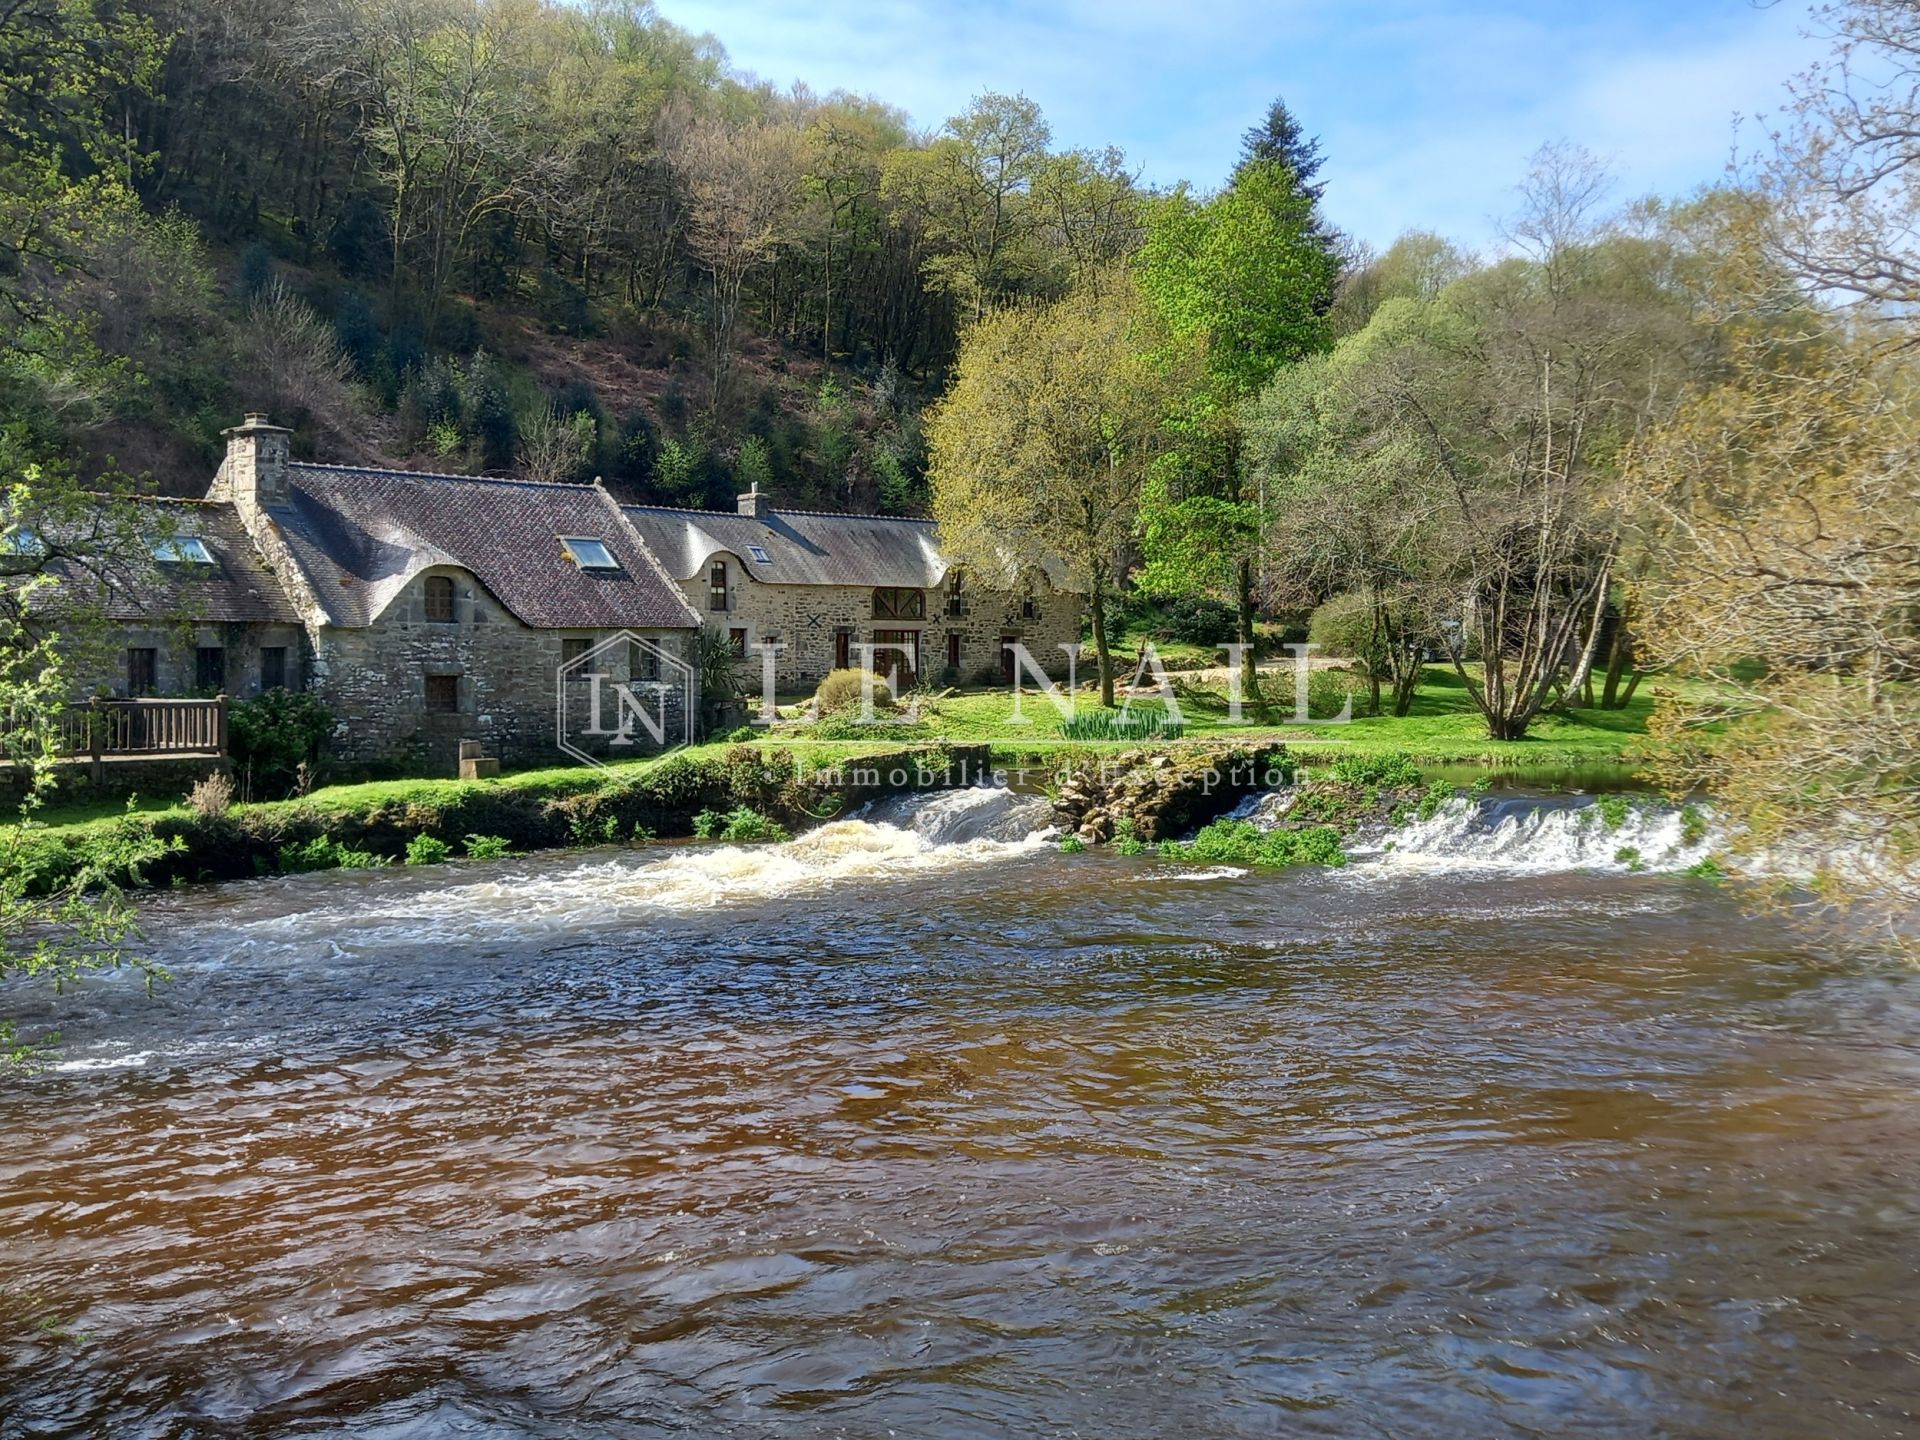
(1443, 730)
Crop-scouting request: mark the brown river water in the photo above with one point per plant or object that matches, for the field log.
(922, 1129)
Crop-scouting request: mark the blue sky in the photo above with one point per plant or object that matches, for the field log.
(1427, 109)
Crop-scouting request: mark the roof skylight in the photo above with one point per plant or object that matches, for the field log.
(759, 553)
(589, 554)
(181, 550)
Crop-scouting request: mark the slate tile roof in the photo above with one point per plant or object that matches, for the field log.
(236, 588)
(361, 536)
(802, 547)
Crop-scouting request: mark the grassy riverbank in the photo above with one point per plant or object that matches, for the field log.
(692, 791)
(786, 777)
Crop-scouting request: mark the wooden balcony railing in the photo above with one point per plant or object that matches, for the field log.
(101, 729)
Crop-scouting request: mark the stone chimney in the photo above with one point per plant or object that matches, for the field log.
(254, 474)
(755, 504)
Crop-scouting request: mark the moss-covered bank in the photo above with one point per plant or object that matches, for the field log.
(552, 810)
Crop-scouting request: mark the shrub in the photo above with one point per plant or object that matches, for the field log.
(1196, 620)
(1329, 691)
(273, 736)
(1395, 768)
(323, 852)
(739, 825)
(1071, 845)
(212, 797)
(1343, 627)
(427, 850)
(1125, 841)
(488, 847)
(842, 690)
(1241, 842)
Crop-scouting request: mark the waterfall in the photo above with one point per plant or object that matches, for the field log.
(900, 837)
(1540, 834)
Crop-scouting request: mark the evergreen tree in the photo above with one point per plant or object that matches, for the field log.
(1279, 138)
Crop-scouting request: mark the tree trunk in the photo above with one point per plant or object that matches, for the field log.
(1098, 602)
(1619, 660)
(1249, 670)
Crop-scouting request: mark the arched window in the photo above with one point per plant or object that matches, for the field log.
(440, 599)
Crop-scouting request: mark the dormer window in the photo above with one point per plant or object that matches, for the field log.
(439, 596)
(589, 554)
(181, 550)
(956, 600)
(759, 554)
(717, 586)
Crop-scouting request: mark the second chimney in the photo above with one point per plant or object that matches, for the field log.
(755, 504)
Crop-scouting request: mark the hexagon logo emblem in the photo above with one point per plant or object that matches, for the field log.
(599, 716)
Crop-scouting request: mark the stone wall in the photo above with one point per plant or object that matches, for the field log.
(154, 779)
(176, 657)
(806, 619)
(375, 682)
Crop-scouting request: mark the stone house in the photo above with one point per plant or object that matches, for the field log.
(427, 609)
(820, 586)
(438, 608)
(204, 617)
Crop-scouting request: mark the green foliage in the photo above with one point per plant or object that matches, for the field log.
(1629, 856)
(324, 852)
(1693, 824)
(1707, 868)
(1241, 842)
(1345, 629)
(1072, 845)
(1188, 620)
(720, 679)
(1395, 769)
(273, 736)
(426, 849)
(1125, 840)
(1436, 795)
(740, 825)
(1247, 271)
(488, 847)
(1135, 725)
(1612, 810)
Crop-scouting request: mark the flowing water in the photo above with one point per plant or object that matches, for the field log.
(915, 1126)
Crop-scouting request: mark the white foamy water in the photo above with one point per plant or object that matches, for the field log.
(1504, 834)
(902, 837)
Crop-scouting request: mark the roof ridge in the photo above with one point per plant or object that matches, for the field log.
(782, 510)
(569, 485)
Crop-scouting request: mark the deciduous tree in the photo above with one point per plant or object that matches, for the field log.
(1040, 451)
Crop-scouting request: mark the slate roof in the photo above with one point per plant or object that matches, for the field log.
(236, 588)
(803, 547)
(361, 536)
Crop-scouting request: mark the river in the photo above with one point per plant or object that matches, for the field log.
(915, 1126)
